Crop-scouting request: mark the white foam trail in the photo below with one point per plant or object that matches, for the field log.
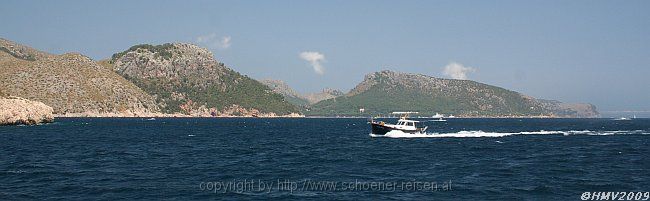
(463, 134)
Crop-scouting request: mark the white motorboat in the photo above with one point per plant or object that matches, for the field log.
(403, 124)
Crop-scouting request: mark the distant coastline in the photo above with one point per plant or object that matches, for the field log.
(162, 115)
(142, 81)
(83, 115)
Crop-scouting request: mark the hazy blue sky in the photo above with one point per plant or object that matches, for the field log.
(572, 51)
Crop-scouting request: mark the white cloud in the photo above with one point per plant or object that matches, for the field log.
(458, 71)
(315, 59)
(206, 38)
(225, 42)
(212, 41)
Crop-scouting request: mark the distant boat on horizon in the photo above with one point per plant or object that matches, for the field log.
(623, 119)
(439, 119)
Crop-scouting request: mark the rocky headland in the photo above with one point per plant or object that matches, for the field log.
(69, 83)
(187, 79)
(386, 91)
(17, 111)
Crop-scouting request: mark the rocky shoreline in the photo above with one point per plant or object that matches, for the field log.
(147, 115)
(20, 111)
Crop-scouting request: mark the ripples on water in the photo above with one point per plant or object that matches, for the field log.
(83, 158)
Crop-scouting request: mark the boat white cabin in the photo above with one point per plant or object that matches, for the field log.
(403, 124)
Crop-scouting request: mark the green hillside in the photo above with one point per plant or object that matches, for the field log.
(186, 79)
(387, 91)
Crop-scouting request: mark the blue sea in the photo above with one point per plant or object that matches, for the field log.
(321, 159)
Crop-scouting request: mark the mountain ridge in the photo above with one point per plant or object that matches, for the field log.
(386, 91)
(302, 100)
(188, 79)
(291, 95)
(70, 83)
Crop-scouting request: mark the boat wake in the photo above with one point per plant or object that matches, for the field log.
(463, 134)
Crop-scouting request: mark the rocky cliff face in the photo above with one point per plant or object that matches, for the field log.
(185, 78)
(70, 83)
(15, 110)
(279, 86)
(559, 109)
(326, 94)
(298, 99)
(387, 91)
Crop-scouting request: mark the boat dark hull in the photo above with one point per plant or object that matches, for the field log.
(379, 129)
